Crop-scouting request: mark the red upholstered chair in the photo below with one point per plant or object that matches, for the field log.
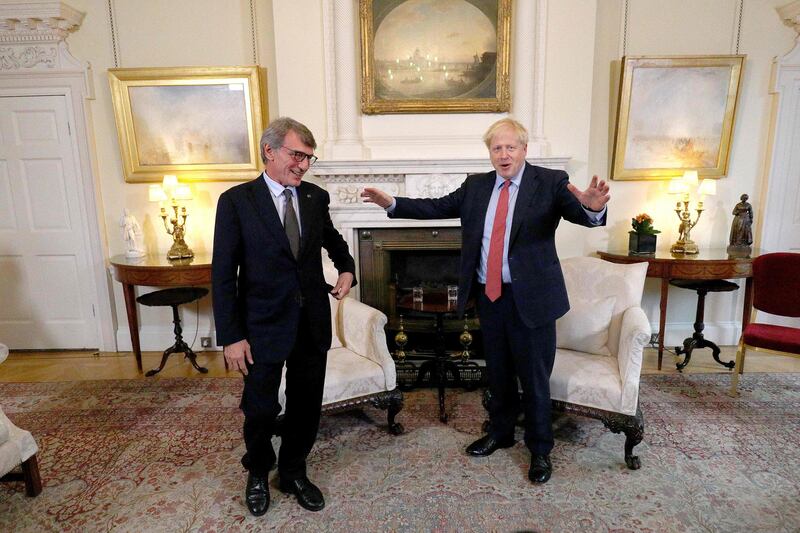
(776, 290)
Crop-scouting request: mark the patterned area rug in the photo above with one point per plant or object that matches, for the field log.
(163, 455)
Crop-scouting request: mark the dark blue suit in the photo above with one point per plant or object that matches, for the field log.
(279, 304)
(519, 328)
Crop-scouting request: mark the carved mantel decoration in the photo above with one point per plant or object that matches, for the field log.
(32, 35)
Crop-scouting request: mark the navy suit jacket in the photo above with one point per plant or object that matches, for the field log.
(257, 284)
(542, 201)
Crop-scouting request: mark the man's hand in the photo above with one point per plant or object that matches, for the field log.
(376, 196)
(342, 285)
(236, 354)
(595, 197)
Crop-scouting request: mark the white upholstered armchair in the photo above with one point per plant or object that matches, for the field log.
(599, 347)
(17, 447)
(360, 369)
(600, 342)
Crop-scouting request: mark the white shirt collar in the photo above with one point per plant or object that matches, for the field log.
(275, 188)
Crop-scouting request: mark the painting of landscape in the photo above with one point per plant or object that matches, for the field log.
(435, 55)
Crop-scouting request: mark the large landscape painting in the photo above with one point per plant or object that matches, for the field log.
(435, 55)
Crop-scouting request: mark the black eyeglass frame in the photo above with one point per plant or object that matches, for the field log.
(299, 156)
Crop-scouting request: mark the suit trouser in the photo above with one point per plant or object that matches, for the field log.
(513, 350)
(305, 381)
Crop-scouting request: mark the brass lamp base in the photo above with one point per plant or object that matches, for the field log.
(179, 250)
(684, 247)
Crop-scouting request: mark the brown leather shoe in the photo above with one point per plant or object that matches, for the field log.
(487, 445)
(541, 468)
(257, 495)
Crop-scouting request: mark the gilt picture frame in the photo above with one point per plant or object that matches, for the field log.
(199, 123)
(675, 114)
(435, 56)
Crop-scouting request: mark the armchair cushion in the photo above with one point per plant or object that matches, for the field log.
(590, 278)
(772, 337)
(585, 326)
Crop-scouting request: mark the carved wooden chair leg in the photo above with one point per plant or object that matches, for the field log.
(634, 433)
(30, 473)
(392, 402)
(633, 428)
(395, 405)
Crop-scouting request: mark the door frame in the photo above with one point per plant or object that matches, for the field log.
(783, 132)
(74, 83)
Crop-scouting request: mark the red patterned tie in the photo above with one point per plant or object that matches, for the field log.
(494, 267)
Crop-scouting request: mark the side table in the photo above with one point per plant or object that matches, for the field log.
(155, 271)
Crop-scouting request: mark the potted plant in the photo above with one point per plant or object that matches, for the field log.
(642, 239)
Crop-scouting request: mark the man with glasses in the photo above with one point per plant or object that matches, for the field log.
(510, 267)
(271, 306)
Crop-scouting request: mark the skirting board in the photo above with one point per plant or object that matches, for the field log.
(721, 333)
(159, 338)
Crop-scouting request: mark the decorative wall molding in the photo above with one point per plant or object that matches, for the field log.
(37, 22)
(790, 15)
(17, 57)
(32, 36)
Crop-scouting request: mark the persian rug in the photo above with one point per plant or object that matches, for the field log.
(163, 455)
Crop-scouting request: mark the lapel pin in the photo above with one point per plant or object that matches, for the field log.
(308, 196)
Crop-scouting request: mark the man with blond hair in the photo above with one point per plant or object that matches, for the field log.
(510, 267)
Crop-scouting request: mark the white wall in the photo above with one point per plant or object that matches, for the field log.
(583, 42)
(689, 27)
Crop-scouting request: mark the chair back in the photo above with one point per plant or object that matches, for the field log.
(591, 278)
(776, 284)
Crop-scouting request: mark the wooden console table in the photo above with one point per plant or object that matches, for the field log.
(155, 271)
(712, 263)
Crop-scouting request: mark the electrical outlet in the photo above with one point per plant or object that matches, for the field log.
(205, 342)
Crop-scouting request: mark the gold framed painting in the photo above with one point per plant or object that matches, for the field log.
(435, 56)
(675, 114)
(200, 123)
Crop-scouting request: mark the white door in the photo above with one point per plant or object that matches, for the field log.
(46, 296)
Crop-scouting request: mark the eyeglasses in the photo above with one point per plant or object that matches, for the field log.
(299, 157)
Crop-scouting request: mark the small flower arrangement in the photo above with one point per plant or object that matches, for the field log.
(643, 225)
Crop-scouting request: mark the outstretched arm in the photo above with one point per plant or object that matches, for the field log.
(377, 196)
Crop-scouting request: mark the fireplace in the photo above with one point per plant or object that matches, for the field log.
(394, 260)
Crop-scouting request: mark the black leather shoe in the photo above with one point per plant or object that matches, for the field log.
(541, 468)
(487, 445)
(308, 495)
(257, 495)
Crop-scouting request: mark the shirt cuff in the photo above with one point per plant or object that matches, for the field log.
(390, 209)
(595, 216)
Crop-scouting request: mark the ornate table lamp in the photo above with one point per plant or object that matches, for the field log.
(684, 186)
(173, 191)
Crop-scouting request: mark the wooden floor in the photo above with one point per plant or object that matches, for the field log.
(74, 366)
